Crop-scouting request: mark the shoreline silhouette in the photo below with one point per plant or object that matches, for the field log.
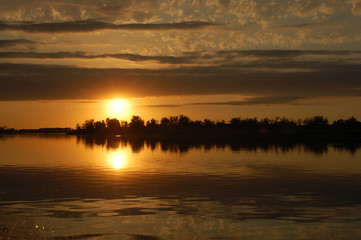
(181, 127)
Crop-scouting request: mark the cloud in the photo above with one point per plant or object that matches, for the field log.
(83, 55)
(56, 55)
(332, 38)
(91, 26)
(282, 77)
(254, 58)
(303, 26)
(16, 42)
(283, 53)
(256, 101)
(305, 8)
(130, 11)
(248, 102)
(64, 10)
(164, 105)
(356, 9)
(224, 3)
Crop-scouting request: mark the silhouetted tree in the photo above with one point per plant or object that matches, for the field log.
(164, 122)
(184, 121)
(184, 126)
(197, 123)
(89, 126)
(316, 122)
(152, 123)
(124, 124)
(221, 123)
(136, 122)
(100, 127)
(207, 123)
(113, 126)
(235, 122)
(265, 123)
(352, 122)
(347, 124)
(173, 120)
(3, 129)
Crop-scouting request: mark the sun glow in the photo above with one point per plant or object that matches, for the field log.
(118, 108)
(118, 160)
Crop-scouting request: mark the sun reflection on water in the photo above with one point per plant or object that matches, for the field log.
(118, 160)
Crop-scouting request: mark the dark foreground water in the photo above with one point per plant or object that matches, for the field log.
(60, 187)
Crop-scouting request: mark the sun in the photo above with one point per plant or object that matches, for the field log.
(118, 107)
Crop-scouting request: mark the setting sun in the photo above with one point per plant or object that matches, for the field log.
(118, 108)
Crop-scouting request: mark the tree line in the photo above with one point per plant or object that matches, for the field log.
(183, 125)
(6, 130)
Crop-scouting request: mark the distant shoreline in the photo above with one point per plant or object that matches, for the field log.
(182, 128)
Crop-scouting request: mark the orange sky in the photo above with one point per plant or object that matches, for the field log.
(37, 114)
(61, 60)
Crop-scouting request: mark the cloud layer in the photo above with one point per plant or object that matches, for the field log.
(277, 51)
(246, 58)
(274, 76)
(248, 102)
(91, 26)
(15, 43)
(184, 10)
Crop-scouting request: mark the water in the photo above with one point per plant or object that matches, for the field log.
(68, 187)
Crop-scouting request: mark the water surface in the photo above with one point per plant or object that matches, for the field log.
(68, 187)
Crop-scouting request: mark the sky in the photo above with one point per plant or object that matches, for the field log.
(63, 61)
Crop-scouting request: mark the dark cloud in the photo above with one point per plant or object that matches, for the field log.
(282, 53)
(56, 55)
(256, 101)
(90, 26)
(114, 9)
(260, 57)
(298, 79)
(159, 59)
(224, 3)
(47, 11)
(320, 28)
(83, 55)
(165, 105)
(138, 10)
(15, 42)
(141, 16)
(298, 26)
(250, 101)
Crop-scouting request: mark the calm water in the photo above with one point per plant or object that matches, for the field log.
(60, 187)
